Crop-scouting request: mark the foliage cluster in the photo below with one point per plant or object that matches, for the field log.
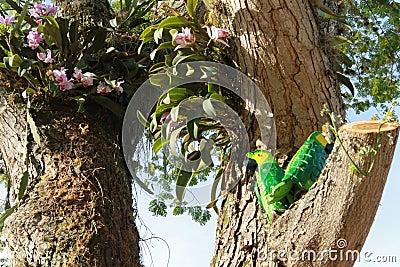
(182, 38)
(370, 52)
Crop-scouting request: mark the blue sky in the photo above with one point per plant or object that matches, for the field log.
(193, 245)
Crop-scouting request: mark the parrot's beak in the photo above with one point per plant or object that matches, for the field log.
(251, 164)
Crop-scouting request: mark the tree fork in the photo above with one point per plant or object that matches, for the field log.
(338, 211)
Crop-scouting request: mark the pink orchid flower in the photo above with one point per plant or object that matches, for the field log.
(7, 20)
(103, 89)
(87, 79)
(165, 116)
(50, 10)
(42, 10)
(66, 85)
(118, 87)
(78, 74)
(60, 75)
(45, 57)
(217, 34)
(184, 38)
(36, 11)
(34, 39)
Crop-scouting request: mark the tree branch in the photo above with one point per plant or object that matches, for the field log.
(341, 206)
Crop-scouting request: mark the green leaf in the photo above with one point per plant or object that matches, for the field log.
(182, 182)
(25, 65)
(21, 19)
(3, 177)
(53, 30)
(99, 41)
(23, 184)
(63, 25)
(174, 22)
(28, 91)
(81, 103)
(339, 40)
(153, 124)
(178, 210)
(142, 119)
(181, 58)
(217, 97)
(73, 31)
(175, 94)
(345, 59)
(214, 188)
(15, 61)
(174, 113)
(163, 108)
(345, 81)
(208, 72)
(33, 128)
(173, 33)
(166, 45)
(160, 79)
(114, 22)
(191, 7)
(106, 102)
(157, 67)
(209, 108)
(5, 215)
(32, 80)
(167, 100)
(160, 143)
(158, 34)
(148, 33)
(193, 128)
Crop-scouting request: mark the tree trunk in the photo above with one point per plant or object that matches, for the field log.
(277, 43)
(88, 12)
(77, 210)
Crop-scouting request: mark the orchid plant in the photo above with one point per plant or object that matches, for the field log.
(58, 59)
(178, 39)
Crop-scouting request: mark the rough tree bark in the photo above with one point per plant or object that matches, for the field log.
(277, 43)
(87, 11)
(78, 208)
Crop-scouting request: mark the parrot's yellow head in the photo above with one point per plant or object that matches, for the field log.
(260, 156)
(318, 136)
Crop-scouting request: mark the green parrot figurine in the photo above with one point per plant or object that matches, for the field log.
(303, 169)
(268, 175)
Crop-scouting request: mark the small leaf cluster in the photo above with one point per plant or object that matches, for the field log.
(158, 208)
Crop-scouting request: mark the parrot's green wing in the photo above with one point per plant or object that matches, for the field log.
(268, 175)
(304, 168)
